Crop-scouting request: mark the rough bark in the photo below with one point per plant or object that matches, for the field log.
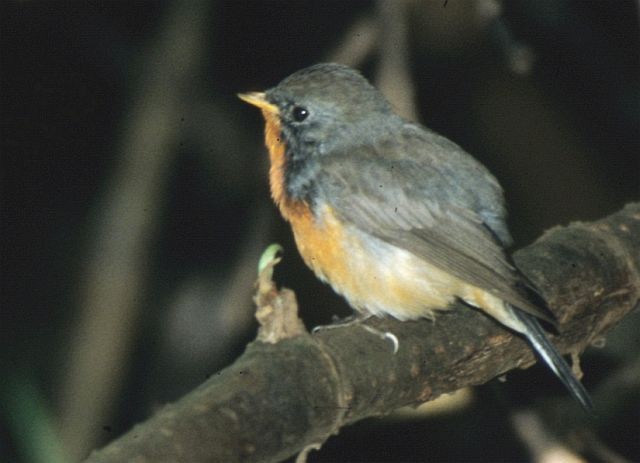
(276, 399)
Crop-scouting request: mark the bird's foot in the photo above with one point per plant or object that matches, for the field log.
(357, 318)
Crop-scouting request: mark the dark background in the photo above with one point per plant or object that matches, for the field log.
(545, 93)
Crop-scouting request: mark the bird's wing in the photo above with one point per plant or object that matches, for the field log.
(407, 204)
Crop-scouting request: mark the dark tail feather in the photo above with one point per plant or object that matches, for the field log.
(537, 337)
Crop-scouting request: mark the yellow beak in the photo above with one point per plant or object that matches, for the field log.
(258, 99)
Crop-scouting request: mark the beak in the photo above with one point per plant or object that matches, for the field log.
(259, 99)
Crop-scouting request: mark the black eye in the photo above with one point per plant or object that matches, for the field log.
(299, 113)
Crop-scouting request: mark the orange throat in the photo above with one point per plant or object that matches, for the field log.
(290, 209)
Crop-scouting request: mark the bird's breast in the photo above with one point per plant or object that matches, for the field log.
(374, 276)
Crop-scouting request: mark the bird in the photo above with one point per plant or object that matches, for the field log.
(396, 218)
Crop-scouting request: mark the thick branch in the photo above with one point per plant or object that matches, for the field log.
(278, 398)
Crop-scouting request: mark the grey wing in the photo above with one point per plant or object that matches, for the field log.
(387, 199)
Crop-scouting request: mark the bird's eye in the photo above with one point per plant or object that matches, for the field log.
(299, 113)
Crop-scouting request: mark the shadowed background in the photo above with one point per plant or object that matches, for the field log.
(135, 203)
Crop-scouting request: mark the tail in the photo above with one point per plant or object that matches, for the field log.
(538, 339)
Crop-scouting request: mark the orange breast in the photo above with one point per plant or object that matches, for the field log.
(316, 238)
(319, 239)
(374, 276)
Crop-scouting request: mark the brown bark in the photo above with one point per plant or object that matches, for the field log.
(278, 398)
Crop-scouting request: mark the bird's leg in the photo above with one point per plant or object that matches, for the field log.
(343, 323)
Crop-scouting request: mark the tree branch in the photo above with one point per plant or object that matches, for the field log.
(278, 398)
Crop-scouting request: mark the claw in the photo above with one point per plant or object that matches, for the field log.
(384, 335)
(394, 340)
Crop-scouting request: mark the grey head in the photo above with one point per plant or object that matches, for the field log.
(328, 104)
